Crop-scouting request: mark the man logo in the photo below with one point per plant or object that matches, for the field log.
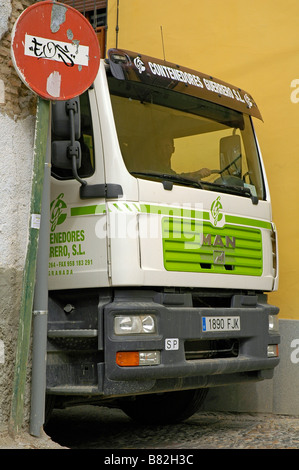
(218, 257)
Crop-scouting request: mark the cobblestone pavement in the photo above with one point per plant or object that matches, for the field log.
(88, 427)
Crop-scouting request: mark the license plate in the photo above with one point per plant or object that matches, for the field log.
(221, 324)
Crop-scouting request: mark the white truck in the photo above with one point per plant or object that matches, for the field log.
(162, 245)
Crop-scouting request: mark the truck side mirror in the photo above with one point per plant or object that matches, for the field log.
(62, 154)
(231, 156)
(61, 118)
(66, 149)
(66, 124)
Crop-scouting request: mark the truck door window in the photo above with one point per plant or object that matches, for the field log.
(86, 142)
(164, 132)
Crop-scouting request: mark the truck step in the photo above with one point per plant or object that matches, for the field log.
(75, 333)
(73, 390)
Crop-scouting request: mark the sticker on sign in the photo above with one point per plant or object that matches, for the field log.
(69, 53)
(221, 324)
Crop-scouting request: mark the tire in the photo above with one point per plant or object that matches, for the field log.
(165, 408)
(49, 406)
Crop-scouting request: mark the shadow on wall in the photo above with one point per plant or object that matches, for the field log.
(278, 395)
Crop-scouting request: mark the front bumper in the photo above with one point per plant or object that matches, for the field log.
(246, 357)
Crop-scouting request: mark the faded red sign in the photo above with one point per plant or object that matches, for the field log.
(55, 50)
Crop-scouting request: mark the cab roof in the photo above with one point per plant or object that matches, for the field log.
(128, 65)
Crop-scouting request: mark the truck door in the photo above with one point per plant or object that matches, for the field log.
(78, 248)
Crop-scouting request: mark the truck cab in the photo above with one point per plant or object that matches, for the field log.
(162, 244)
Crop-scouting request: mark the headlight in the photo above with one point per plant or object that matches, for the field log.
(134, 324)
(273, 323)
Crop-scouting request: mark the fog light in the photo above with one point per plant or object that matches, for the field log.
(149, 358)
(137, 358)
(134, 324)
(272, 350)
(273, 323)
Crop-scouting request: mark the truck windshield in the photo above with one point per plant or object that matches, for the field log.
(169, 135)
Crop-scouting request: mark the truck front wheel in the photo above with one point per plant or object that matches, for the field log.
(165, 408)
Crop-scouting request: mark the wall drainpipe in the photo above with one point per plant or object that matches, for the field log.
(29, 277)
(40, 305)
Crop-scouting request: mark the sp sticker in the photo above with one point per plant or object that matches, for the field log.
(171, 344)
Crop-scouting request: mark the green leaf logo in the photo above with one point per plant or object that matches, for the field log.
(215, 210)
(56, 210)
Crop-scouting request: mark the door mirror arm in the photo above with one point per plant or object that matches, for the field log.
(74, 150)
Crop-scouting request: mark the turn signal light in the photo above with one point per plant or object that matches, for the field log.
(137, 358)
(127, 358)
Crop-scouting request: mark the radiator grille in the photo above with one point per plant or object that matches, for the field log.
(190, 245)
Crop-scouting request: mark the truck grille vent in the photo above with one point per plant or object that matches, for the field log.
(194, 246)
(210, 349)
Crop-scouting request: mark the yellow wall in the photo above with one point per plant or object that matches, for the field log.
(254, 45)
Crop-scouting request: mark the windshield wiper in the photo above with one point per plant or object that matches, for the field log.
(240, 190)
(169, 177)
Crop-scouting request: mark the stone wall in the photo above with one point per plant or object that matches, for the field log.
(17, 121)
(15, 99)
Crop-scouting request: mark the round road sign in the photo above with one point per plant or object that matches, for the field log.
(55, 50)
